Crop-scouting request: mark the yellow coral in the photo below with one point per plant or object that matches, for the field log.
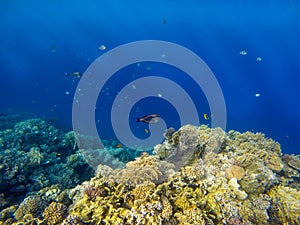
(54, 213)
(142, 190)
(167, 209)
(143, 169)
(235, 171)
(273, 162)
(182, 202)
(205, 191)
(31, 205)
(196, 171)
(192, 215)
(286, 204)
(254, 210)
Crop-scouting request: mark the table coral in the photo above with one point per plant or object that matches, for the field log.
(294, 163)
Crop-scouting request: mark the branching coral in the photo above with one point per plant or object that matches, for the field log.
(255, 210)
(285, 204)
(33, 205)
(54, 213)
(35, 156)
(143, 190)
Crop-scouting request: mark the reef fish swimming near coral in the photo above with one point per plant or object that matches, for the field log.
(150, 118)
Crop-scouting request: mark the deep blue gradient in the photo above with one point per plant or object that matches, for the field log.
(43, 40)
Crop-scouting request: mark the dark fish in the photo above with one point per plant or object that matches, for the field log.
(150, 118)
(75, 74)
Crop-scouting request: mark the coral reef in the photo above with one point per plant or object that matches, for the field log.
(34, 154)
(295, 163)
(32, 205)
(221, 178)
(235, 172)
(286, 204)
(54, 213)
(143, 169)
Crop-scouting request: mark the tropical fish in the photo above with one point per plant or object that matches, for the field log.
(74, 75)
(119, 145)
(150, 118)
(205, 116)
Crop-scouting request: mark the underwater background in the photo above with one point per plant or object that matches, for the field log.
(198, 174)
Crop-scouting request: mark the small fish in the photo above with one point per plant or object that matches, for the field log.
(75, 74)
(102, 47)
(205, 116)
(150, 118)
(146, 131)
(119, 145)
(243, 52)
(257, 95)
(258, 59)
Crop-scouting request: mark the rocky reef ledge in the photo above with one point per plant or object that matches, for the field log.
(198, 175)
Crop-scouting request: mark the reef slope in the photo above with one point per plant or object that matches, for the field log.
(198, 175)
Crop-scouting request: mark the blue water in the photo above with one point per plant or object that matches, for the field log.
(42, 41)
